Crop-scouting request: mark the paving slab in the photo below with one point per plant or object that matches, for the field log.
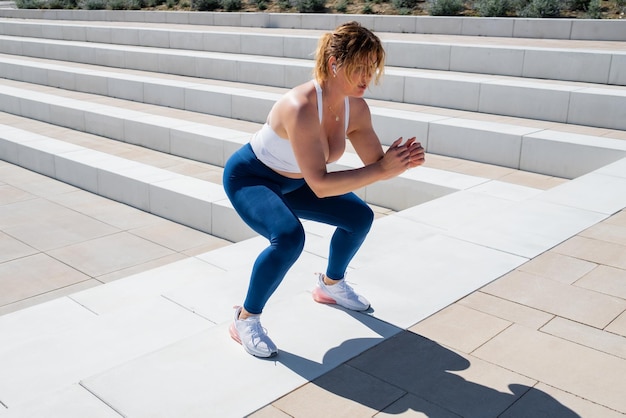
(460, 328)
(71, 401)
(25, 325)
(505, 309)
(342, 392)
(575, 303)
(468, 206)
(605, 279)
(213, 296)
(89, 348)
(32, 275)
(558, 267)
(530, 228)
(573, 368)
(615, 234)
(619, 325)
(100, 256)
(424, 278)
(181, 379)
(443, 376)
(591, 337)
(10, 248)
(595, 191)
(545, 400)
(44, 225)
(142, 287)
(596, 251)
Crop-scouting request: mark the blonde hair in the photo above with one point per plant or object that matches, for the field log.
(353, 46)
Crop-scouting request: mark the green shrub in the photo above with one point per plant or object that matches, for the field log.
(93, 4)
(578, 4)
(367, 9)
(342, 6)
(594, 10)
(231, 5)
(134, 4)
(29, 4)
(309, 6)
(493, 8)
(117, 4)
(404, 4)
(446, 7)
(206, 5)
(260, 4)
(540, 8)
(59, 4)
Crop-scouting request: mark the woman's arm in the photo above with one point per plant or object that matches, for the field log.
(303, 129)
(366, 142)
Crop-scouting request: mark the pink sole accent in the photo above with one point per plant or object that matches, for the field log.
(320, 297)
(233, 333)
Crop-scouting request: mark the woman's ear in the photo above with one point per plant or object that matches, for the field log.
(332, 63)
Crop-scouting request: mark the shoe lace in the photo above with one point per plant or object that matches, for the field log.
(257, 332)
(341, 288)
(345, 288)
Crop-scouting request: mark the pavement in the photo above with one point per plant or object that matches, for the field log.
(547, 339)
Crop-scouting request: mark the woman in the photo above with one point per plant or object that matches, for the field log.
(281, 176)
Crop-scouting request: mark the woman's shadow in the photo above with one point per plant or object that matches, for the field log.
(409, 372)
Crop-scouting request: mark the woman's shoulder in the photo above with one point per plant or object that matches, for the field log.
(304, 93)
(358, 107)
(299, 98)
(357, 102)
(297, 105)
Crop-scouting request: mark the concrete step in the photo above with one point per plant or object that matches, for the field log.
(573, 103)
(592, 62)
(570, 29)
(559, 102)
(515, 145)
(190, 201)
(202, 141)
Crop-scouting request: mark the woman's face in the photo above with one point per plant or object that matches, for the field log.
(360, 76)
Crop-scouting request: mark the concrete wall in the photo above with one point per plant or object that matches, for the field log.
(582, 29)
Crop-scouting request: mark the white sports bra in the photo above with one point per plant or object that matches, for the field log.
(275, 151)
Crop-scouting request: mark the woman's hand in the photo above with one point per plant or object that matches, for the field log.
(400, 157)
(417, 154)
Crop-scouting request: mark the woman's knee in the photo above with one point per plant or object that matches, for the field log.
(363, 218)
(290, 241)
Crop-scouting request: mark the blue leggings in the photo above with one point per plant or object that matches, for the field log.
(272, 204)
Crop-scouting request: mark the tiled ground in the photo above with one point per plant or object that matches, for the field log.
(550, 335)
(546, 340)
(56, 239)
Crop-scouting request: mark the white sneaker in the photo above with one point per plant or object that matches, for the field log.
(251, 335)
(341, 294)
